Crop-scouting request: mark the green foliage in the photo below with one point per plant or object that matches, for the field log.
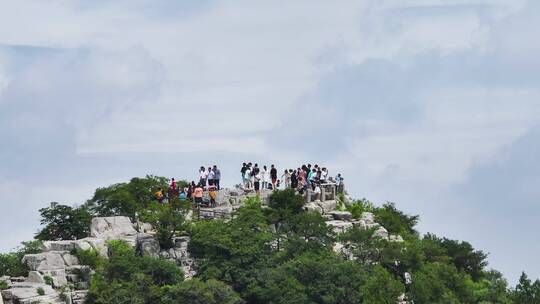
(436, 281)
(526, 292)
(126, 198)
(286, 203)
(382, 287)
(166, 220)
(492, 288)
(128, 278)
(89, 257)
(64, 222)
(461, 254)
(395, 221)
(3, 285)
(40, 291)
(48, 280)
(360, 206)
(253, 202)
(199, 292)
(11, 264)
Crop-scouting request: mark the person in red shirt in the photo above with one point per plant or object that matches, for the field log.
(173, 183)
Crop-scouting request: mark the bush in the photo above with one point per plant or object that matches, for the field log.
(167, 222)
(64, 222)
(89, 257)
(48, 280)
(360, 206)
(395, 221)
(11, 264)
(3, 285)
(126, 198)
(196, 291)
(40, 291)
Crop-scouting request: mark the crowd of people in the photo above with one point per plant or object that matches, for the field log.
(254, 178)
(209, 180)
(301, 179)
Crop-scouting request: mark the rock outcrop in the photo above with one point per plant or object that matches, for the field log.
(56, 266)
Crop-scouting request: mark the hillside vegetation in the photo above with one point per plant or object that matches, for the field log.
(278, 253)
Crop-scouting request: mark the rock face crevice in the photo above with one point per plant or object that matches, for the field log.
(56, 267)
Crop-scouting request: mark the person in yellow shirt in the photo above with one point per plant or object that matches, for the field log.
(159, 195)
(212, 192)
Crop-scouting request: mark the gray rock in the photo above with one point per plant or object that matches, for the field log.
(44, 261)
(368, 217)
(341, 215)
(70, 260)
(181, 241)
(381, 232)
(35, 277)
(147, 245)
(327, 206)
(313, 207)
(395, 238)
(21, 291)
(115, 227)
(339, 226)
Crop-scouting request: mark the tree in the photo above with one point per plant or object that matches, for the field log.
(126, 198)
(128, 278)
(461, 254)
(64, 222)
(381, 287)
(196, 291)
(394, 220)
(166, 220)
(11, 264)
(526, 292)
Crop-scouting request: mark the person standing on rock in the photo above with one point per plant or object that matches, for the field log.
(264, 178)
(217, 177)
(294, 178)
(203, 175)
(243, 172)
(198, 194)
(247, 178)
(211, 177)
(286, 178)
(273, 176)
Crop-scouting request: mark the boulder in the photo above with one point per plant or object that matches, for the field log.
(69, 259)
(35, 277)
(313, 207)
(381, 232)
(327, 206)
(368, 217)
(181, 241)
(339, 226)
(147, 245)
(114, 227)
(395, 238)
(44, 261)
(27, 290)
(341, 215)
(97, 244)
(65, 245)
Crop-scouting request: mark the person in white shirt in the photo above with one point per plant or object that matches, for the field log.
(264, 178)
(202, 176)
(247, 178)
(210, 177)
(324, 175)
(317, 192)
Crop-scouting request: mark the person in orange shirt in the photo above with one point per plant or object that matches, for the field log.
(198, 194)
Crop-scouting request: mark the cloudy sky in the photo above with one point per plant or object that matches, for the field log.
(432, 104)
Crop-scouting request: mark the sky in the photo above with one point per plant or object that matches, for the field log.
(431, 104)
